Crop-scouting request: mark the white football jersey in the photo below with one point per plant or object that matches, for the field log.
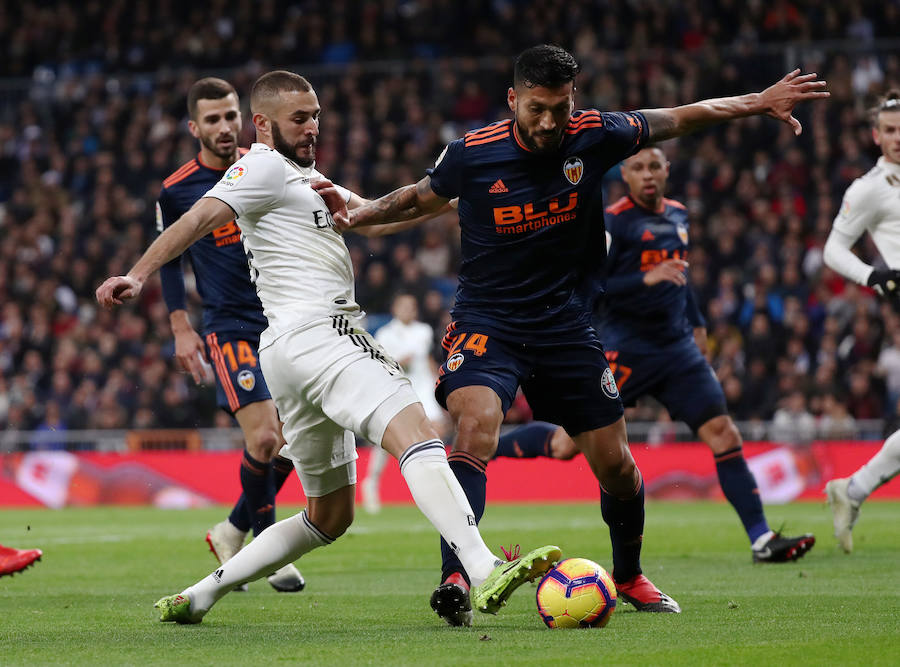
(872, 204)
(298, 262)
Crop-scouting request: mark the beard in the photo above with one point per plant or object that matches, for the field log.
(290, 151)
(213, 147)
(528, 138)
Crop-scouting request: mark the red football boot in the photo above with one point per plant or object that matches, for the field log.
(16, 560)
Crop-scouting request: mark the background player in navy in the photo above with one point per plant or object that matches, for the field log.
(531, 217)
(655, 337)
(232, 323)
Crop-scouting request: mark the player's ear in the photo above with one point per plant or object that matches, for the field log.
(193, 129)
(262, 123)
(511, 99)
(876, 137)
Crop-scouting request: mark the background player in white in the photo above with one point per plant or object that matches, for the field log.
(409, 342)
(871, 204)
(328, 376)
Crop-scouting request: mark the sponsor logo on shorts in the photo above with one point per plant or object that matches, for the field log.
(573, 169)
(608, 384)
(455, 362)
(247, 380)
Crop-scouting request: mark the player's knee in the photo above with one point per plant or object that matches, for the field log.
(620, 478)
(476, 431)
(721, 434)
(263, 442)
(562, 447)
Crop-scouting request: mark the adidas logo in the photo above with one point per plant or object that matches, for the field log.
(498, 187)
(647, 235)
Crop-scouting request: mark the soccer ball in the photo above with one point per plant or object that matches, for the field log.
(577, 593)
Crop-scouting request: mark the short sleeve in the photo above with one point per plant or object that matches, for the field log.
(623, 133)
(254, 184)
(446, 175)
(858, 210)
(165, 211)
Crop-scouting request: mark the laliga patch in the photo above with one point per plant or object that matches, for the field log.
(234, 174)
(247, 380)
(455, 362)
(682, 233)
(159, 218)
(573, 169)
(608, 384)
(845, 208)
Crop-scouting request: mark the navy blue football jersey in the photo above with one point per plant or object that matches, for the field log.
(532, 235)
(639, 240)
(218, 259)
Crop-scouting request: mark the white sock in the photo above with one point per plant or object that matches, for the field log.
(880, 469)
(441, 499)
(377, 461)
(279, 544)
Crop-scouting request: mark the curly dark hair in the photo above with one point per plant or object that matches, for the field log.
(545, 65)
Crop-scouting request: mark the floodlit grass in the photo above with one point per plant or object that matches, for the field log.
(91, 598)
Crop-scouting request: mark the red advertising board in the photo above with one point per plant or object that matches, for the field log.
(179, 479)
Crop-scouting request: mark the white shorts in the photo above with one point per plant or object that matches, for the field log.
(329, 380)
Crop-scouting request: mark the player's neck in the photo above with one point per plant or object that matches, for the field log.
(209, 159)
(654, 204)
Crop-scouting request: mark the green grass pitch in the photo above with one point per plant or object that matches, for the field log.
(91, 598)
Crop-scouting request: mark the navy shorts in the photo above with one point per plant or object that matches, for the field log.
(569, 384)
(239, 379)
(677, 375)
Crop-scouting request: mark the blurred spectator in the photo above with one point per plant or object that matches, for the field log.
(94, 117)
(792, 423)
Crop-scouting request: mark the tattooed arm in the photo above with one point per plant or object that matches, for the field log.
(777, 101)
(406, 203)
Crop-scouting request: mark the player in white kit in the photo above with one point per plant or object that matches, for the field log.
(409, 342)
(328, 376)
(871, 204)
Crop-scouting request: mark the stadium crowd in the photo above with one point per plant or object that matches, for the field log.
(99, 121)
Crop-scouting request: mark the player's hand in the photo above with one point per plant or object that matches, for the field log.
(118, 289)
(191, 355)
(335, 202)
(779, 99)
(886, 282)
(671, 270)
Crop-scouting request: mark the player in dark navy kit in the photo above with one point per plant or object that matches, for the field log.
(655, 338)
(232, 323)
(533, 244)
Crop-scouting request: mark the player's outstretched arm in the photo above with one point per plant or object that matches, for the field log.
(406, 203)
(203, 217)
(777, 101)
(384, 226)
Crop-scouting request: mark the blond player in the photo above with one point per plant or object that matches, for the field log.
(328, 376)
(871, 204)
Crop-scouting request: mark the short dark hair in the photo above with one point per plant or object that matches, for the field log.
(890, 102)
(545, 65)
(209, 88)
(271, 83)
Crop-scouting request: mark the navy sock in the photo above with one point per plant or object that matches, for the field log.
(739, 486)
(281, 470)
(241, 517)
(259, 495)
(527, 442)
(625, 519)
(470, 471)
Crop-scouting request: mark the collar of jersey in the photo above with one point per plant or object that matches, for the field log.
(890, 166)
(659, 211)
(304, 171)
